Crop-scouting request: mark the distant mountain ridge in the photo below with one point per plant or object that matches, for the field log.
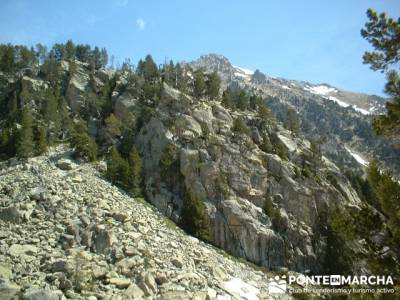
(361, 102)
(343, 118)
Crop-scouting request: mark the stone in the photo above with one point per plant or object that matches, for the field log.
(161, 278)
(133, 292)
(9, 291)
(177, 295)
(99, 272)
(5, 272)
(177, 262)
(103, 240)
(77, 178)
(17, 250)
(119, 216)
(211, 294)
(148, 284)
(39, 295)
(199, 295)
(10, 214)
(130, 251)
(61, 265)
(38, 194)
(120, 283)
(64, 164)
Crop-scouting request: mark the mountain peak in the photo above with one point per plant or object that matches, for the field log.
(214, 63)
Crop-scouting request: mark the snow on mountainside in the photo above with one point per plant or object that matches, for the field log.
(357, 157)
(343, 117)
(327, 91)
(359, 102)
(320, 89)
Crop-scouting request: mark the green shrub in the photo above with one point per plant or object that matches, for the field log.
(222, 184)
(169, 156)
(240, 127)
(281, 151)
(268, 207)
(279, 223)
(194, 217)
(84, 146)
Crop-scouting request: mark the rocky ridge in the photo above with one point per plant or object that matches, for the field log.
(67, 233)
(343, 117)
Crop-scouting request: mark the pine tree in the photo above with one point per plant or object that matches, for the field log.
(373, 174)
(199, 84)
(7, 143)
(212, 85)
(7, 59)
(148, 68)
(384, 35)
(69, 50)
(134, 178)
(227, 99)
(112, 129)
(25, 136)
(242, 100)
(388, 192)
(264, 113)
(41, 144)
(239, 126)
(292, 122)
(117, 167)
(84, 146)
(195, 220)
(103, 58)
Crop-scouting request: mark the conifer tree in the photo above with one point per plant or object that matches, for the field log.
(212, 85)
(117, 167)
(148, 68)
(199, 84)
(242, 100)
(84, 146)
(134, 183)
(227, 99)
(7, 60)
(41, 144)
(292, 122)
(195, 220)
(383, 34)
(25, 136)
(112, 129)
(239, 126)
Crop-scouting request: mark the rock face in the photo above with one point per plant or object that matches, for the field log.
(230, 173)
(88, 240)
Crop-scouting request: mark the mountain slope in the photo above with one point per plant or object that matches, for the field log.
(74, 234)
(212, 157)
(341, 118)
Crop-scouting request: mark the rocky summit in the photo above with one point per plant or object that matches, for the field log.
(65, 232)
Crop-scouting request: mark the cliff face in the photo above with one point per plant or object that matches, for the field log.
(229, 172)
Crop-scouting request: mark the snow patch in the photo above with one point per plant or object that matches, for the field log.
(286, 87)
(237, 286)
(340, 102)
(243, 70)
(357, 157)
(242, 75)
(320, 89)
(361, 110)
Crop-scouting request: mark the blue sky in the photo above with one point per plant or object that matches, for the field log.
(316, 41)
